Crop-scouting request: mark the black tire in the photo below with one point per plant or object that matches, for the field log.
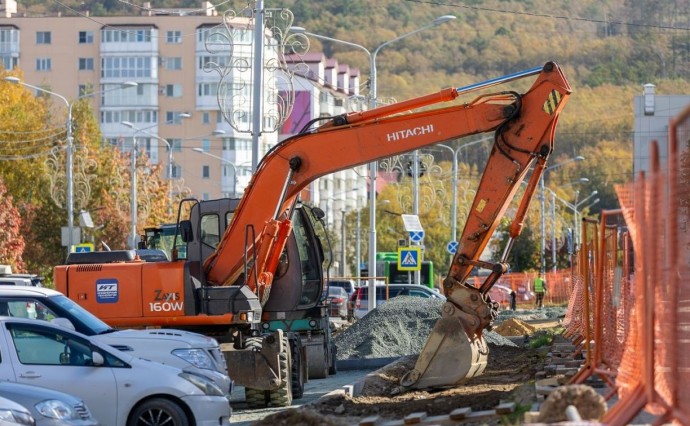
(297, 371)
(255, 398)
(158, 411)
(333, 369)
(282, 397)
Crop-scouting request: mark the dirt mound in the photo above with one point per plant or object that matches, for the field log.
(396, 328)
(299, 417)
(507, 377)
(514, 327)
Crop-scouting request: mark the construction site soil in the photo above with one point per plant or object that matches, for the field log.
(509, 375)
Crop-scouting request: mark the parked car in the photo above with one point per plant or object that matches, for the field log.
(191, 352)
(359, 301)
(49, 407)
(337, 302)
(348, 285)
(13, 413)
(119, 389)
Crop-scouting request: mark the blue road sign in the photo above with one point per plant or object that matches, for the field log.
(416, 236)
(409, 258)
(452, 247)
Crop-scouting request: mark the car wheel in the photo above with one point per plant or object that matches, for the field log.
(158, 411)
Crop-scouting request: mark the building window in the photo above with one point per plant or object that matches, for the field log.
(43, 64)
(173, 117)
(176, 171)
(206, 145)
(126, 67)
(43, 37)
(205, 172)
(207, 89)
(206, 117)
(83, 89)
(176, 144)
(86, 64)
(126, 35)
(174, 64)
(85, 37)
(174, 37)
(173, 90)
(205, 196)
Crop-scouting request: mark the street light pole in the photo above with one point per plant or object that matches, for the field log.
(69, 151)
(170, 158)
(542, 263)
(454, 211)
(576, 209)
(374, 165)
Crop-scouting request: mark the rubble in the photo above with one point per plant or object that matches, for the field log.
(396, 328)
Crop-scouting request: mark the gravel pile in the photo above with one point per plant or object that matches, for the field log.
(397, 328)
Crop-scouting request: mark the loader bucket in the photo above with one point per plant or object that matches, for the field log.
(450, 356)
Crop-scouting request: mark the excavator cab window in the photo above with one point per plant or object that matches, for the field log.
(210, 230)
(309, 256)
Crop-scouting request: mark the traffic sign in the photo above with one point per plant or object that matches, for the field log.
(83, 248)
(409, 258)
(412, 223)
(416, 236)
(452, 247)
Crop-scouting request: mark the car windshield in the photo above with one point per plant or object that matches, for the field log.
(75, 312)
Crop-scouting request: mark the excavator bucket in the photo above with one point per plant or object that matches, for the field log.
(448, 345)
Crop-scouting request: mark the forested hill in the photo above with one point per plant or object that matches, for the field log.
(607, 49)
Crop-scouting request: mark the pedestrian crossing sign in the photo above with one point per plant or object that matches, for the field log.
(409, 258)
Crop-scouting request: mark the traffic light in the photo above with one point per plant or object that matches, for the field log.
(421, 168)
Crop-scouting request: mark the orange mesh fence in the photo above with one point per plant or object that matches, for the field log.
(559, 288)
(655, 366)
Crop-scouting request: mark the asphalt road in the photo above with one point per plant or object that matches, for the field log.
(313, 390)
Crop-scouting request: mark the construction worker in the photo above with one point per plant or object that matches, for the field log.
(540, 289)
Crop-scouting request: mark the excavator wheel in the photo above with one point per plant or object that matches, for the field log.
(255, 398)
(332, 369)
(297, 375)
(282, 397)
(318, 361)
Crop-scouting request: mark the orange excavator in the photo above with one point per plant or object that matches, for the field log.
(258, 271)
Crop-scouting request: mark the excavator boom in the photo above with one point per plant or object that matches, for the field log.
(347, 141)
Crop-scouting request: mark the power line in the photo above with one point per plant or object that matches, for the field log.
(546, 15)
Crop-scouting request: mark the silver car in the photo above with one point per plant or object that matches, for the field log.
(13, 414)
(119, 389)
(49, 407)
(191, 352)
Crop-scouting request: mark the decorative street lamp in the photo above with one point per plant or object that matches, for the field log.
(373, 165)
(70, 146)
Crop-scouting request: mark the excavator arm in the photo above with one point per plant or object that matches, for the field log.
(523, 123)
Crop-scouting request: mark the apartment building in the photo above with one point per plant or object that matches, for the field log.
(174, 57)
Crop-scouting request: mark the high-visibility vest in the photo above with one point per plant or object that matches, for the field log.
(539, 285)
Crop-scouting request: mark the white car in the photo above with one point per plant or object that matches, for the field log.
(119, 389)
(49, 407)
(191, 352)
